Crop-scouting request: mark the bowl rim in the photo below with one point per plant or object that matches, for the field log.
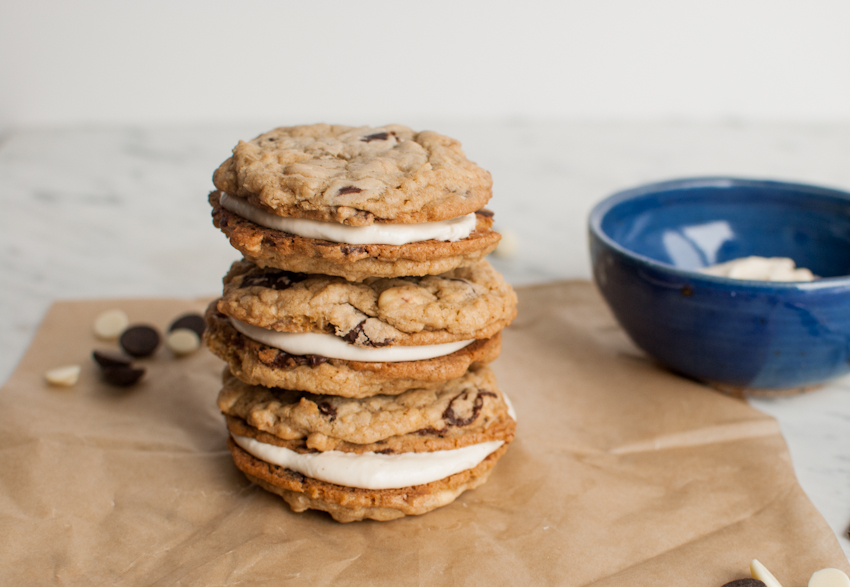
(603, 207)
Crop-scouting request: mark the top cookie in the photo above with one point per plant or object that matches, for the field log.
(355, 176)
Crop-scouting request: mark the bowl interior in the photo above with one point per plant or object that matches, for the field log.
(692, 224)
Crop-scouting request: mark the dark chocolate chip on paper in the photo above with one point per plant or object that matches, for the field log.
(191, 321)
(123, 376)
(745, 583)
(140, 341)
(110, 358)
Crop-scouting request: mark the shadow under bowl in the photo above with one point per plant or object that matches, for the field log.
(648, 244)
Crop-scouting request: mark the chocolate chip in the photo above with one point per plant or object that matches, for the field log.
(110, 359)
(287, 397)
(276, 280)
(289, 473)
(328, 410)
(385, 451)
(139, 341)
(314, 360)
(485, 212)
(191, 321)
(352, 335)
(63, 376)
(284, 360)
(429, 432)
(183, 341)
(452, 418)
(687, 291)
(349, 189)
(349, 250)
(378, 136)
(121, 376)
(110, 324)
(745, 583)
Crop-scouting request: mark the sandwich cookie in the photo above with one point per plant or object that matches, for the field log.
(279, 329)
(354, 202)
(467, 303)
(306, 365)
(379, 458)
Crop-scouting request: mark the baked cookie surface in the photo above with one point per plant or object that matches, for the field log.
(355, 175)
(258, 364)
(467, 410)
(267, 247)
(462, 304)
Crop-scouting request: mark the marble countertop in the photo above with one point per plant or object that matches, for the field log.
(121, 212)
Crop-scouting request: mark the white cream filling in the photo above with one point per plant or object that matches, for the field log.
(333, 347)
(511, 411)
(451, 230)
(760, 269)
(372, 470)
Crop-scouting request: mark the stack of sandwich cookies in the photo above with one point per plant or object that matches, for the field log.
(358, 327)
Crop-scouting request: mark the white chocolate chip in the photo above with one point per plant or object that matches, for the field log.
(110, 324)
(63, 376)
(758, 571)
(829, 578)
(183, 341)
(507, 247)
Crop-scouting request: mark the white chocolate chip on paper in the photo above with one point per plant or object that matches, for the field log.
(183, 341)
(829, 578)
(110, 324)
(760, 572)
(65, 376)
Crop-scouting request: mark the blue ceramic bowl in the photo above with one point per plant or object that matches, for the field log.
(647, 245)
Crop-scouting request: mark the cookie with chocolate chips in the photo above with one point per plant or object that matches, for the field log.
(463, 411)
(269, 247)
(462, 304)
(270, 428)
(352, 504)
(256, 363)
(355, 176)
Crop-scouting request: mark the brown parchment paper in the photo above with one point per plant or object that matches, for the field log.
(621, 474)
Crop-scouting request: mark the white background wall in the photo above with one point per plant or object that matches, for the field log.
(373, 61)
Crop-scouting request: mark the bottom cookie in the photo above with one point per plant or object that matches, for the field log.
(351, 504)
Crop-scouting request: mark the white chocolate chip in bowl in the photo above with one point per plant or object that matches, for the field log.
(508, 245)
(760, 572)
(110, 324)
(829, 578)
(183, 341)
(65, 376)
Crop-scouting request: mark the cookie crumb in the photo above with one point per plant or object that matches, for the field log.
(65, 376)
(110, 324)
